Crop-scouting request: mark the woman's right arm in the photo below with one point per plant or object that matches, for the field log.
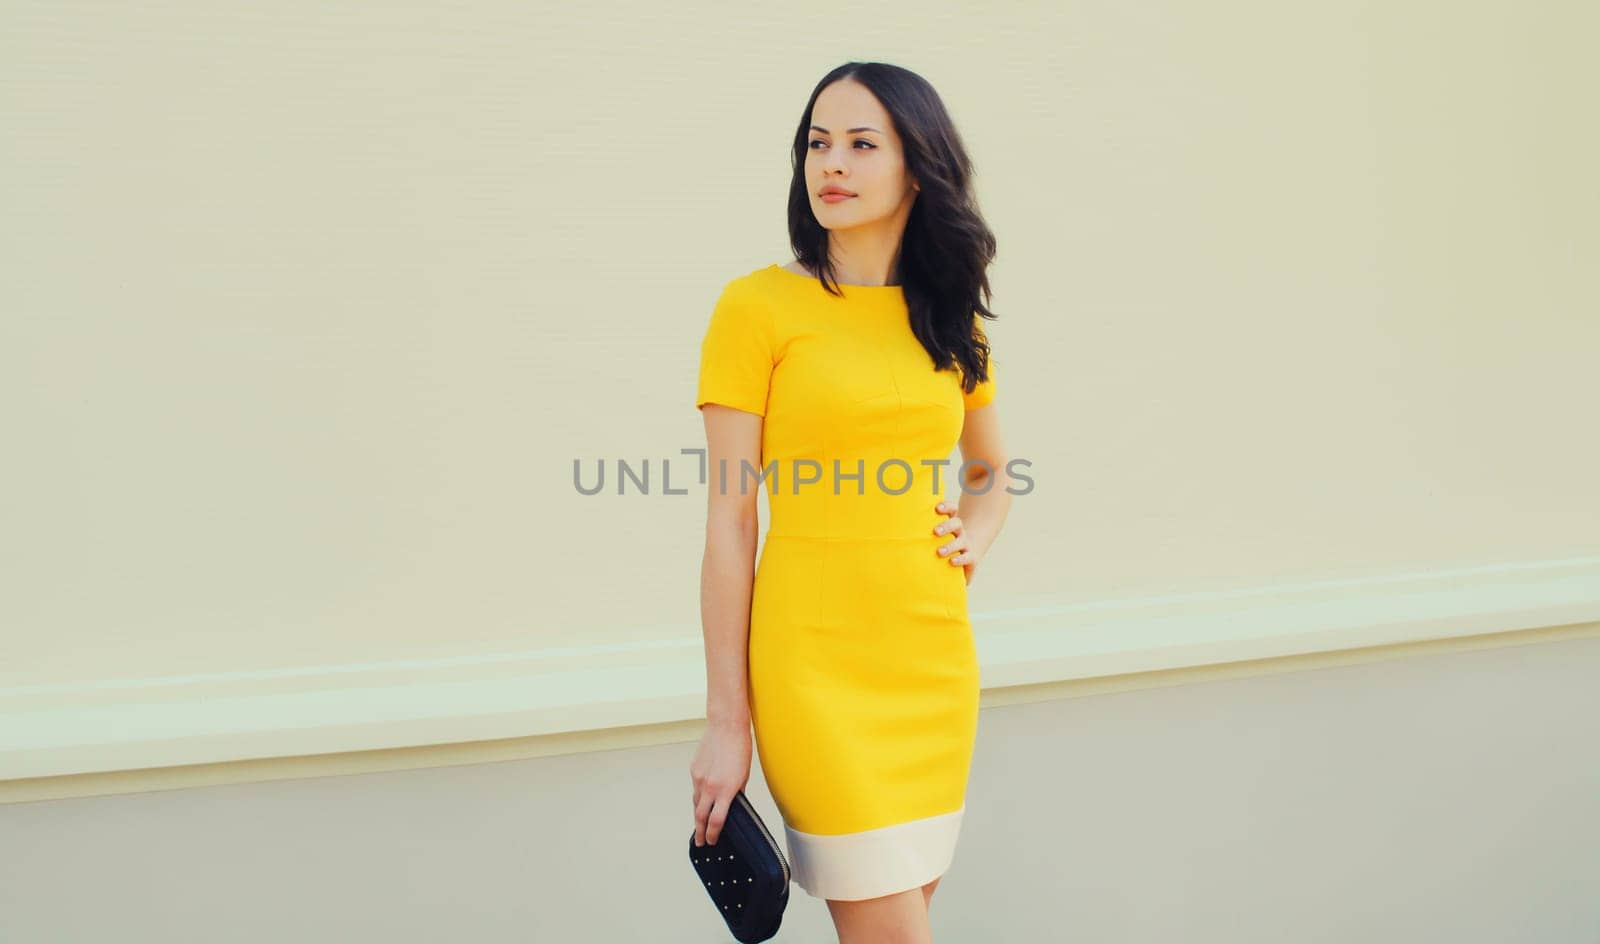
(721, 765)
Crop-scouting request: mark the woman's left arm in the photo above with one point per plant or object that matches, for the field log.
(985, 499)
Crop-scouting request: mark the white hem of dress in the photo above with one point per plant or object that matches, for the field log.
(874, 862)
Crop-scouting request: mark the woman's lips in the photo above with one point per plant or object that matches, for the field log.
(837, 197)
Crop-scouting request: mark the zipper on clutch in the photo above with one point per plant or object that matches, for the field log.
(770, 841)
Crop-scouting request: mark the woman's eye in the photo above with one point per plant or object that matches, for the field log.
(818, 141)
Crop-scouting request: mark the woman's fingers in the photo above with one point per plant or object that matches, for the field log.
(958, 542)
(955, 527)
(702, 812)
(719, 815)
(710, 813)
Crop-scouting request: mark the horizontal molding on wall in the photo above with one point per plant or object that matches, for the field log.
(599, 697)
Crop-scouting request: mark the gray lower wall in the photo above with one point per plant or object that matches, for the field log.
(1451, 798)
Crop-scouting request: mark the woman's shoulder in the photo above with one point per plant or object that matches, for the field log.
(771, 282)
(757, 293)
(772, 273)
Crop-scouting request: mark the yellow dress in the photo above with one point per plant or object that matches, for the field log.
(863, 672)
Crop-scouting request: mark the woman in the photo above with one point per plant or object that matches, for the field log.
(850, 651)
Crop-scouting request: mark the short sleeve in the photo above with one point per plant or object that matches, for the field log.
(983, 393)
(736, 354)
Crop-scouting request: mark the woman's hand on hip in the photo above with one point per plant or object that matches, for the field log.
(957, 551)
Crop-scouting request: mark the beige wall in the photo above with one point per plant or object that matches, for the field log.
(1440, 799)
(304, 316)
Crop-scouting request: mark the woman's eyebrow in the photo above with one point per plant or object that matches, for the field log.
(851, 131)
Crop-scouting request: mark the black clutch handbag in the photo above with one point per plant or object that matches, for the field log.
(745, 873)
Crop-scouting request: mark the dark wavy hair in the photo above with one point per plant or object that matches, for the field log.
(947, 247)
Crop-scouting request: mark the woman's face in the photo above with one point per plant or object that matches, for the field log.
(853, 145)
